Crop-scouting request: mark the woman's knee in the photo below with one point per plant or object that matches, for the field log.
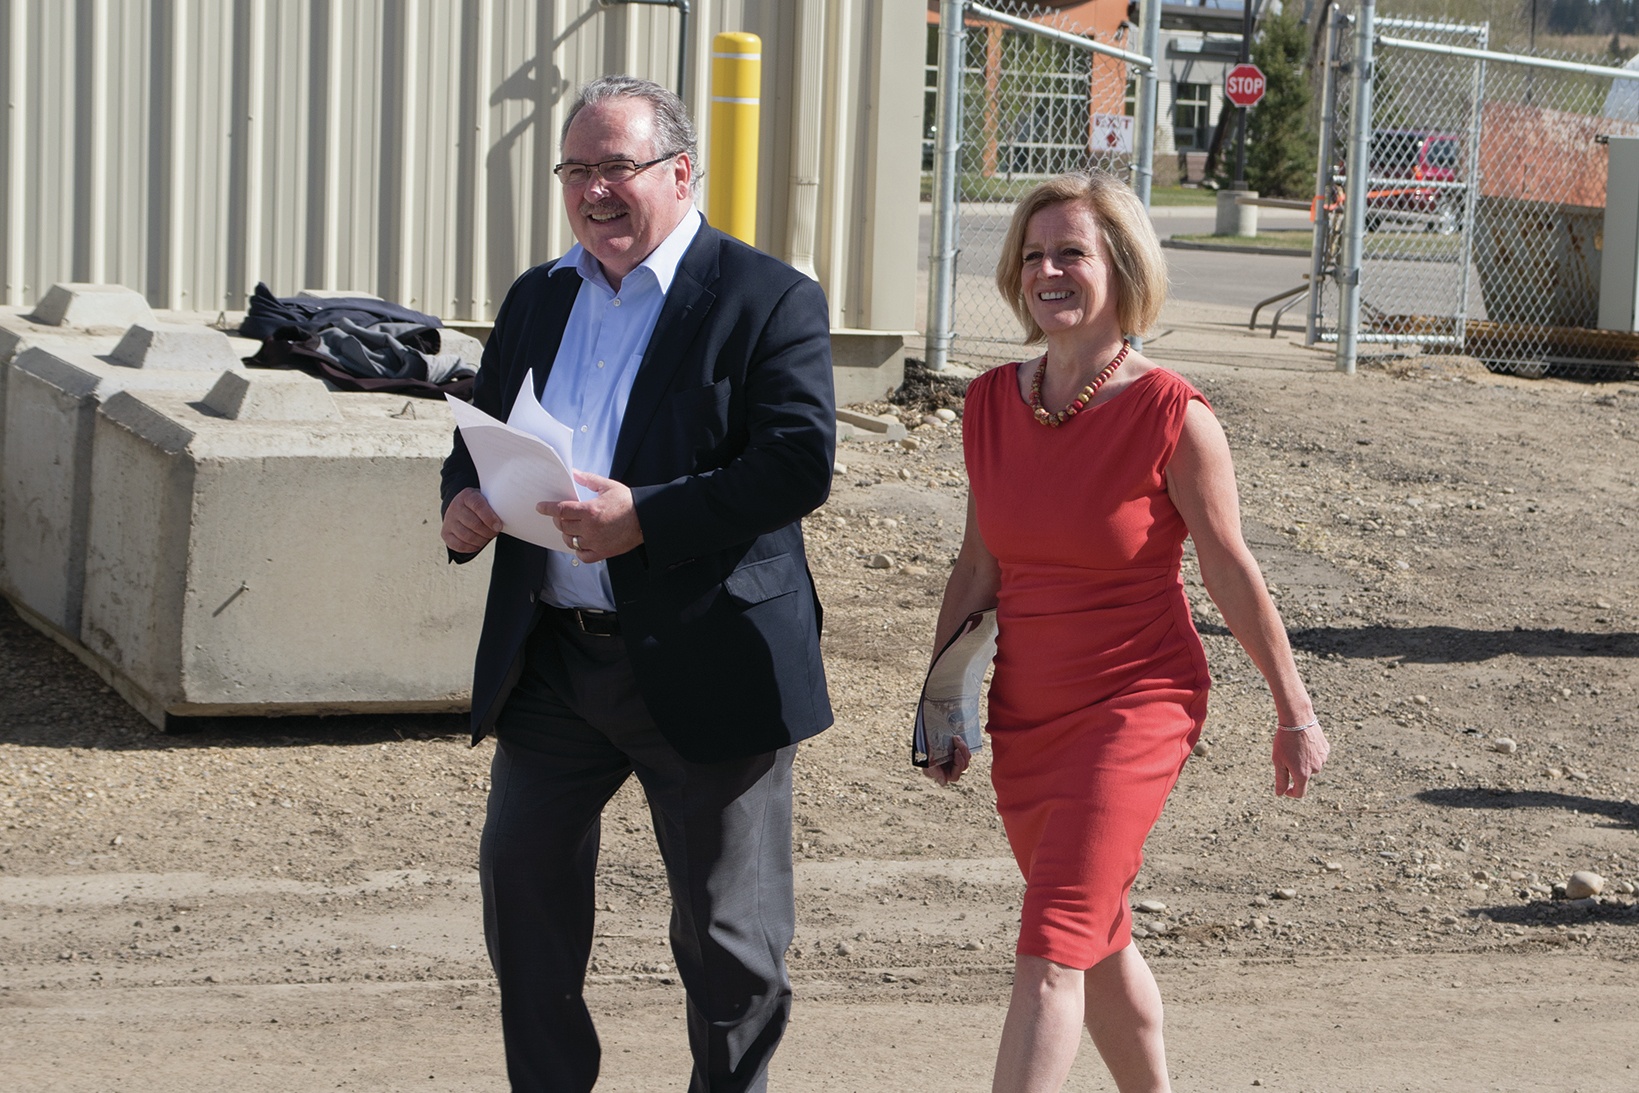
(1037, 974)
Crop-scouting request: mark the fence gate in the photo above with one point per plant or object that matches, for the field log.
(1033, 105)
(1484, 200)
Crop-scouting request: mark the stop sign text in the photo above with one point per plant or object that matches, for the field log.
(1244, 85)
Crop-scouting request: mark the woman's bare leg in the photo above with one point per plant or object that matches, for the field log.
(1043, 1027)
(1123, 1008)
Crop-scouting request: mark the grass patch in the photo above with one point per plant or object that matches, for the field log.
(1182, 195)
(1279, 241)
(1008, 191)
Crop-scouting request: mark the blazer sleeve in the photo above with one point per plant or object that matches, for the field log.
(784, 471)
(489, 395)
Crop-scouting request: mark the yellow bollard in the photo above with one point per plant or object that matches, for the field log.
(731, 178)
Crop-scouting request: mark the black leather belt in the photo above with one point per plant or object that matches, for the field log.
(603, 624)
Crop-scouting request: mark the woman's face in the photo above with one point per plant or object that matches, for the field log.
(1067, 278)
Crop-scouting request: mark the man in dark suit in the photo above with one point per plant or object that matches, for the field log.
(678, 636)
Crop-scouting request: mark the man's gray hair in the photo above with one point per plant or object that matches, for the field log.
(673, 130)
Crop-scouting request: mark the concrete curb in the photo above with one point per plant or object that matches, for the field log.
(1235, 248)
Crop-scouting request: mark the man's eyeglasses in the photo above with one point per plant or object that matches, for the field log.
(612, 171)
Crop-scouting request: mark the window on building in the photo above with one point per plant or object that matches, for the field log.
(1026, 104)
(1191, 110)
(1041, 109)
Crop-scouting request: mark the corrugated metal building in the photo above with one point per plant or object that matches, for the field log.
(190, 148)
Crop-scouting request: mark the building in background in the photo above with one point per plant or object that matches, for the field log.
(190, 149)
(1034, 107)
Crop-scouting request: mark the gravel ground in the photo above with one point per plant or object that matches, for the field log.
(293, 903)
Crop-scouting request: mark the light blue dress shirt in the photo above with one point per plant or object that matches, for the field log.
(591, 379)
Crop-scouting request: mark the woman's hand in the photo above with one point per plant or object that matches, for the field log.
(974, 582)
(948, 772)
(1298, 756)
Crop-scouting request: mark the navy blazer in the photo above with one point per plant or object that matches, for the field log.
(728, 441)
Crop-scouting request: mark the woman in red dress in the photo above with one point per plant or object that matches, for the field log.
(1087, 468)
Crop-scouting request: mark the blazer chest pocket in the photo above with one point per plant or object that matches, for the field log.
(700, 414)
(762, 581)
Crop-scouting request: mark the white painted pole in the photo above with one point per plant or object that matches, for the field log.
(946, 166)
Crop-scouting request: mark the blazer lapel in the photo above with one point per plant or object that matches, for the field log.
(547, 325)
(687, 304)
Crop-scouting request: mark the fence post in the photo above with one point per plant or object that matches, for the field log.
(1149, 100)
(1471, 196)
(1320, 247)
(946, 166)
(1358, 179)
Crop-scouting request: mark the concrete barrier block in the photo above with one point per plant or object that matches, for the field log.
(19, 333)
(45, 462)
(178, 346)
(92, 307)
(272, 396)
(867, 365)
(242, 566)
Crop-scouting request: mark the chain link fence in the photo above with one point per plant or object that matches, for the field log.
(1032, 107)
(1484, 205)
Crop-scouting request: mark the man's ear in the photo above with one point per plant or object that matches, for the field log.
(683, 175)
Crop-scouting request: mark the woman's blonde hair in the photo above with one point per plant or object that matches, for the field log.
(1140, 270)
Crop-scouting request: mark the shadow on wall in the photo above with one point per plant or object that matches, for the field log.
(500, 172)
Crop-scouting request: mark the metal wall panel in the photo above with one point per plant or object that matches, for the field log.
(190, 148)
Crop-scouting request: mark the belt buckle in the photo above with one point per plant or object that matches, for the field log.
(603, 620)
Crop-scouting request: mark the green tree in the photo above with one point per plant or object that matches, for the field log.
(1280, 145)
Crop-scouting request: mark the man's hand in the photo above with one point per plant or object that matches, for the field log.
(469, 522)
(600, 528)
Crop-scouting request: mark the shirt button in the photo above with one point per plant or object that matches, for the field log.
(600, 364)
(616, 301)
(583, 428)
(575, 562)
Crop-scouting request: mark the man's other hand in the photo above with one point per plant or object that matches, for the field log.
(469, 522)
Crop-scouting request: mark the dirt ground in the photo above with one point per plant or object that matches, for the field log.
(293, 904)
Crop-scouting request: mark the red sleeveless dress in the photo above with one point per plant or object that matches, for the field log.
(1101, 683)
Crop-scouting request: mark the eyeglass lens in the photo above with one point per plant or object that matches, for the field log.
(614, 170)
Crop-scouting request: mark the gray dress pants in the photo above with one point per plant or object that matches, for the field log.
(570, 734)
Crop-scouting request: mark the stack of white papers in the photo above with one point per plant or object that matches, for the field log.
(521, 462)
(949, 707)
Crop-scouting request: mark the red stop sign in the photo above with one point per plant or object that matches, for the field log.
(1244, 85)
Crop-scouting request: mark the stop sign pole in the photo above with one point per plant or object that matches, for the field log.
(1244, 87)
(1240, 126)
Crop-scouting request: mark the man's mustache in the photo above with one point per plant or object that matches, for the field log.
(592, 210)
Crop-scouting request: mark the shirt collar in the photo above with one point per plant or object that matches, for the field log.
(662, 261)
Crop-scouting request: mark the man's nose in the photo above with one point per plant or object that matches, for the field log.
(597, 187)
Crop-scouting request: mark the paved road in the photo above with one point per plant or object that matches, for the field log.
(1203, 277)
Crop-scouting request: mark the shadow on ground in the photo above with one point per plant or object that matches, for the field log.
(1455, 645)
(1625, 814)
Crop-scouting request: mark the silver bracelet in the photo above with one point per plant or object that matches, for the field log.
(1312, 723)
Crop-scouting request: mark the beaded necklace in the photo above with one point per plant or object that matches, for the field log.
(1077, 404)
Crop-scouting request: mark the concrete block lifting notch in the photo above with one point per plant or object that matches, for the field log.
(213, 540)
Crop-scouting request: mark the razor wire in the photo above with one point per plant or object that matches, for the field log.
(1033, 106)
(1484, 201)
